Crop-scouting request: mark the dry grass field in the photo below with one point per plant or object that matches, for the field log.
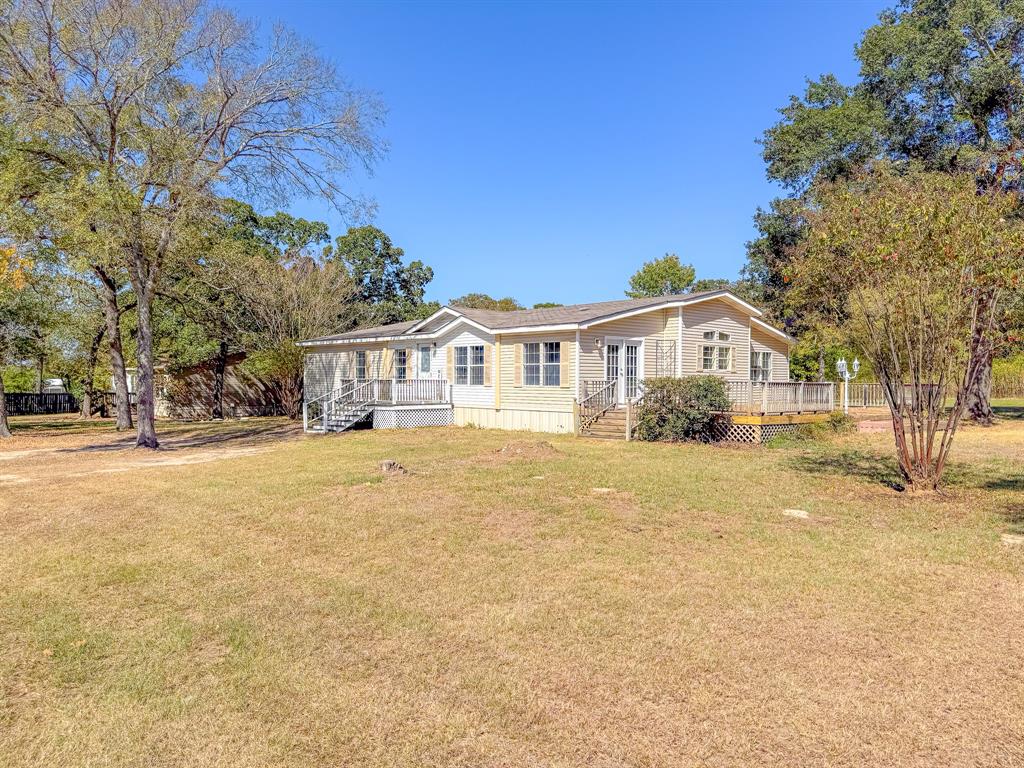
(254, 597)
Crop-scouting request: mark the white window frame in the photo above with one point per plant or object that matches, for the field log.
(401, 365)
(360, 364)
(760, 365)
(716, 358)
(533, 372)
(461, 378)
(472, 371)
(713, 340)
(425, 355)
(551, 369)
(542, 364)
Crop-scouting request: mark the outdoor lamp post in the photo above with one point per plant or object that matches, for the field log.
(845, 374)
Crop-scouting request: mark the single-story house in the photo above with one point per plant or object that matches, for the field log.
(557, 369)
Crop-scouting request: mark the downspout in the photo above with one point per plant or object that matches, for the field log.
(679, 344)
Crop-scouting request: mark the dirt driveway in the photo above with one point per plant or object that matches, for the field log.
(46, 449)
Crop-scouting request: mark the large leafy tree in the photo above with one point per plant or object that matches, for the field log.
(43, 222)
(387, 289)
(906, 267)
(483, 301)
(941, 85)
(151, 107)
(661, 277)
(19, 312)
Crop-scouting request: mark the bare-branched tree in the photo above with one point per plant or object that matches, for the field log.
(153, 107)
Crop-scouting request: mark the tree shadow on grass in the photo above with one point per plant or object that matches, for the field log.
(882, 470)
(1011, 412)
(22, 425)
(1014, 516)
(205, 435)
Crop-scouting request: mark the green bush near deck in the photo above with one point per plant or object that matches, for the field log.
(674, 409)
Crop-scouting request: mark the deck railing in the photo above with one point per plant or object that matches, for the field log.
(410, 391)
(599, 396)
(781, 396)
(375, 392)
(761, 397)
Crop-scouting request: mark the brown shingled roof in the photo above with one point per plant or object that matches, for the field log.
(393, 329)
(525, 318)
(572, 313)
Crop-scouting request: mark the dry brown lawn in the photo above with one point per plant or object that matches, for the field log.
(255, 597)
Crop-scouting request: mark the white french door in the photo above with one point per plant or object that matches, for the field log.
(623, 363)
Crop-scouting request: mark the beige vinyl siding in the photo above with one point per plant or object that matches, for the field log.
(650, 326)
(321, 373)
(464, 394)
(537, 398)
(716, 315)
(505, 418)
(760, 341)
(326, 369)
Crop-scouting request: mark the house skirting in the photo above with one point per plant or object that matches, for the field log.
(409, 416)
(514, 419)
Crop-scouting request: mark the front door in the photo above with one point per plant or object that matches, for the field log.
(631, 371)
(622, 364)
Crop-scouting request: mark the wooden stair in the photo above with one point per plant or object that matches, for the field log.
(611, 425)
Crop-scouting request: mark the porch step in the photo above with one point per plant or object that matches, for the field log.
(345, 419)
(610, 425)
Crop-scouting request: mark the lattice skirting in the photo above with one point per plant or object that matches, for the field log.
(726, 431)
(407, 418)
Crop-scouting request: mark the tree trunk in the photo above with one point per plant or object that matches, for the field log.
(979, 397)
(39, 375)
(144, 387)
(5, 430)
(90, 373)
(291, 396)
(821, 363)
(219, 367)
(112, 318)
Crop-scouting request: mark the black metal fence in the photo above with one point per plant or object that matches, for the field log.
(32, 403)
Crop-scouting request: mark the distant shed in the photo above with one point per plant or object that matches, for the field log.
(189, 394)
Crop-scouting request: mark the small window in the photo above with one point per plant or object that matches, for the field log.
(461, 365)
(724, 354)
(709, 335)
(531, 364)
(476, 365)
(552, 363)
(401, 364)
(425, 360)
(716, 335)
(723, 336)
(760, 366)
(715, 358)
(708, 358)
(361, 364)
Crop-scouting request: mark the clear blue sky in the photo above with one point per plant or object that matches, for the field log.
(544, 151)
